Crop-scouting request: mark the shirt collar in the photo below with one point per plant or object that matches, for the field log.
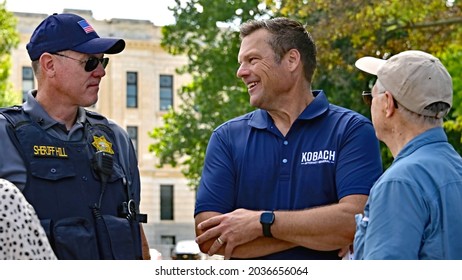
(317, 107)
(430, 136)
(39, 115)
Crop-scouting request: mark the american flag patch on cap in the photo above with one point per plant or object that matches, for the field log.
(86, 26)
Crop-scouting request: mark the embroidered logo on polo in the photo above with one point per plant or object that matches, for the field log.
(317, 157)
(49, 151)
(101, 144)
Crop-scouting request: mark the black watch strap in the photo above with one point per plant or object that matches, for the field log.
(267, 230)
(266, 220)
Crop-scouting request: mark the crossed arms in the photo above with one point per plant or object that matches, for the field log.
(324, 228)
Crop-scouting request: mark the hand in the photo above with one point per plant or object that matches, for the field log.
(233, 229)
(344, 251)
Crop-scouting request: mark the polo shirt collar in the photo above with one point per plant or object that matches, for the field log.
(317, 107)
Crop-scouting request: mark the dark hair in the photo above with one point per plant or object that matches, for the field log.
(287, 34)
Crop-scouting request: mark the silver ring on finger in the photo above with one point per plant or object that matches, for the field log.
(220, 241)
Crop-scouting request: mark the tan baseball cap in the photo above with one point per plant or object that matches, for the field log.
(416, 79)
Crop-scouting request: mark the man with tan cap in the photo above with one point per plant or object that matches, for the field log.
(414, 209)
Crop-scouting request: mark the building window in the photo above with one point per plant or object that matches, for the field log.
(27, 81)
(166, 202)
(132, 89)
(167, 240)
(133, 134)
(166, 92)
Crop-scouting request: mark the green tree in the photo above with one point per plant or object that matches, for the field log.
(347, 30)
(9, 39)
(452, 58)
(343, 31)
(215, 93)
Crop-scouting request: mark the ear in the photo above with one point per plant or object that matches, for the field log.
(293, 59)
(390, 105)
(47, 64)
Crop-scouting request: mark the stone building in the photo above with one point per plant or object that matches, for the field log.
(139, 87)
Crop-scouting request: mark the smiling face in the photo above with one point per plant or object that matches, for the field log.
(266, 79)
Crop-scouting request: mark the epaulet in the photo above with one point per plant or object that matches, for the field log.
(95, 118)
(15, 108)
(14, 114)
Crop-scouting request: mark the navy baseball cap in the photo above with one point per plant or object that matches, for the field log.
(60, 32)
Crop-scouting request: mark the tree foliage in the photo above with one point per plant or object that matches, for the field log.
(452, 58)
(347, 30)
(9, 39)
(343, 31)
(215, 94)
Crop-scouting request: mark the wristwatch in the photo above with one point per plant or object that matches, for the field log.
(266, 220)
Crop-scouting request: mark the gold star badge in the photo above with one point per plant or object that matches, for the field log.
(101, 144)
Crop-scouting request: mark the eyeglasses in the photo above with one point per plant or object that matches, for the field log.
(91, 63)
(367, 98)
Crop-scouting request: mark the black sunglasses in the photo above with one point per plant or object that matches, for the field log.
(367, 98)
(91, 63)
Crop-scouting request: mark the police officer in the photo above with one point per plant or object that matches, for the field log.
(77, 169)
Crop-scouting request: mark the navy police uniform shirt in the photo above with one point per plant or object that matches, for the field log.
(54, 168)
(12, 165)
(329, 153)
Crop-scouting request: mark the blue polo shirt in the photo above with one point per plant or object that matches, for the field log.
(414, 210)
(329, 152)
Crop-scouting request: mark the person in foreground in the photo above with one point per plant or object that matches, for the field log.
(284, 181)
(21, 235)
(77, 169)
(414, 209)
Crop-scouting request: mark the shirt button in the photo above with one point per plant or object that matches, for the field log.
(286, 142)
(284, 160)
(53, 170)
(84, 178)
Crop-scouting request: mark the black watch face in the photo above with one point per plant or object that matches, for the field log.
(267, 218)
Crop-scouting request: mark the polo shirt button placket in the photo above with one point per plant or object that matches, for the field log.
(285, 143)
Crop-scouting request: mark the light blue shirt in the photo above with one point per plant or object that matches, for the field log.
(414, 210)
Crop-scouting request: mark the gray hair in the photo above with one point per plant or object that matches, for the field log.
(422, 120)
(36, 67)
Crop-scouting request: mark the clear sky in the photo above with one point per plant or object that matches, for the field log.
(153, 10)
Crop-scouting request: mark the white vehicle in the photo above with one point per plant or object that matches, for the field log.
(187, 250)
